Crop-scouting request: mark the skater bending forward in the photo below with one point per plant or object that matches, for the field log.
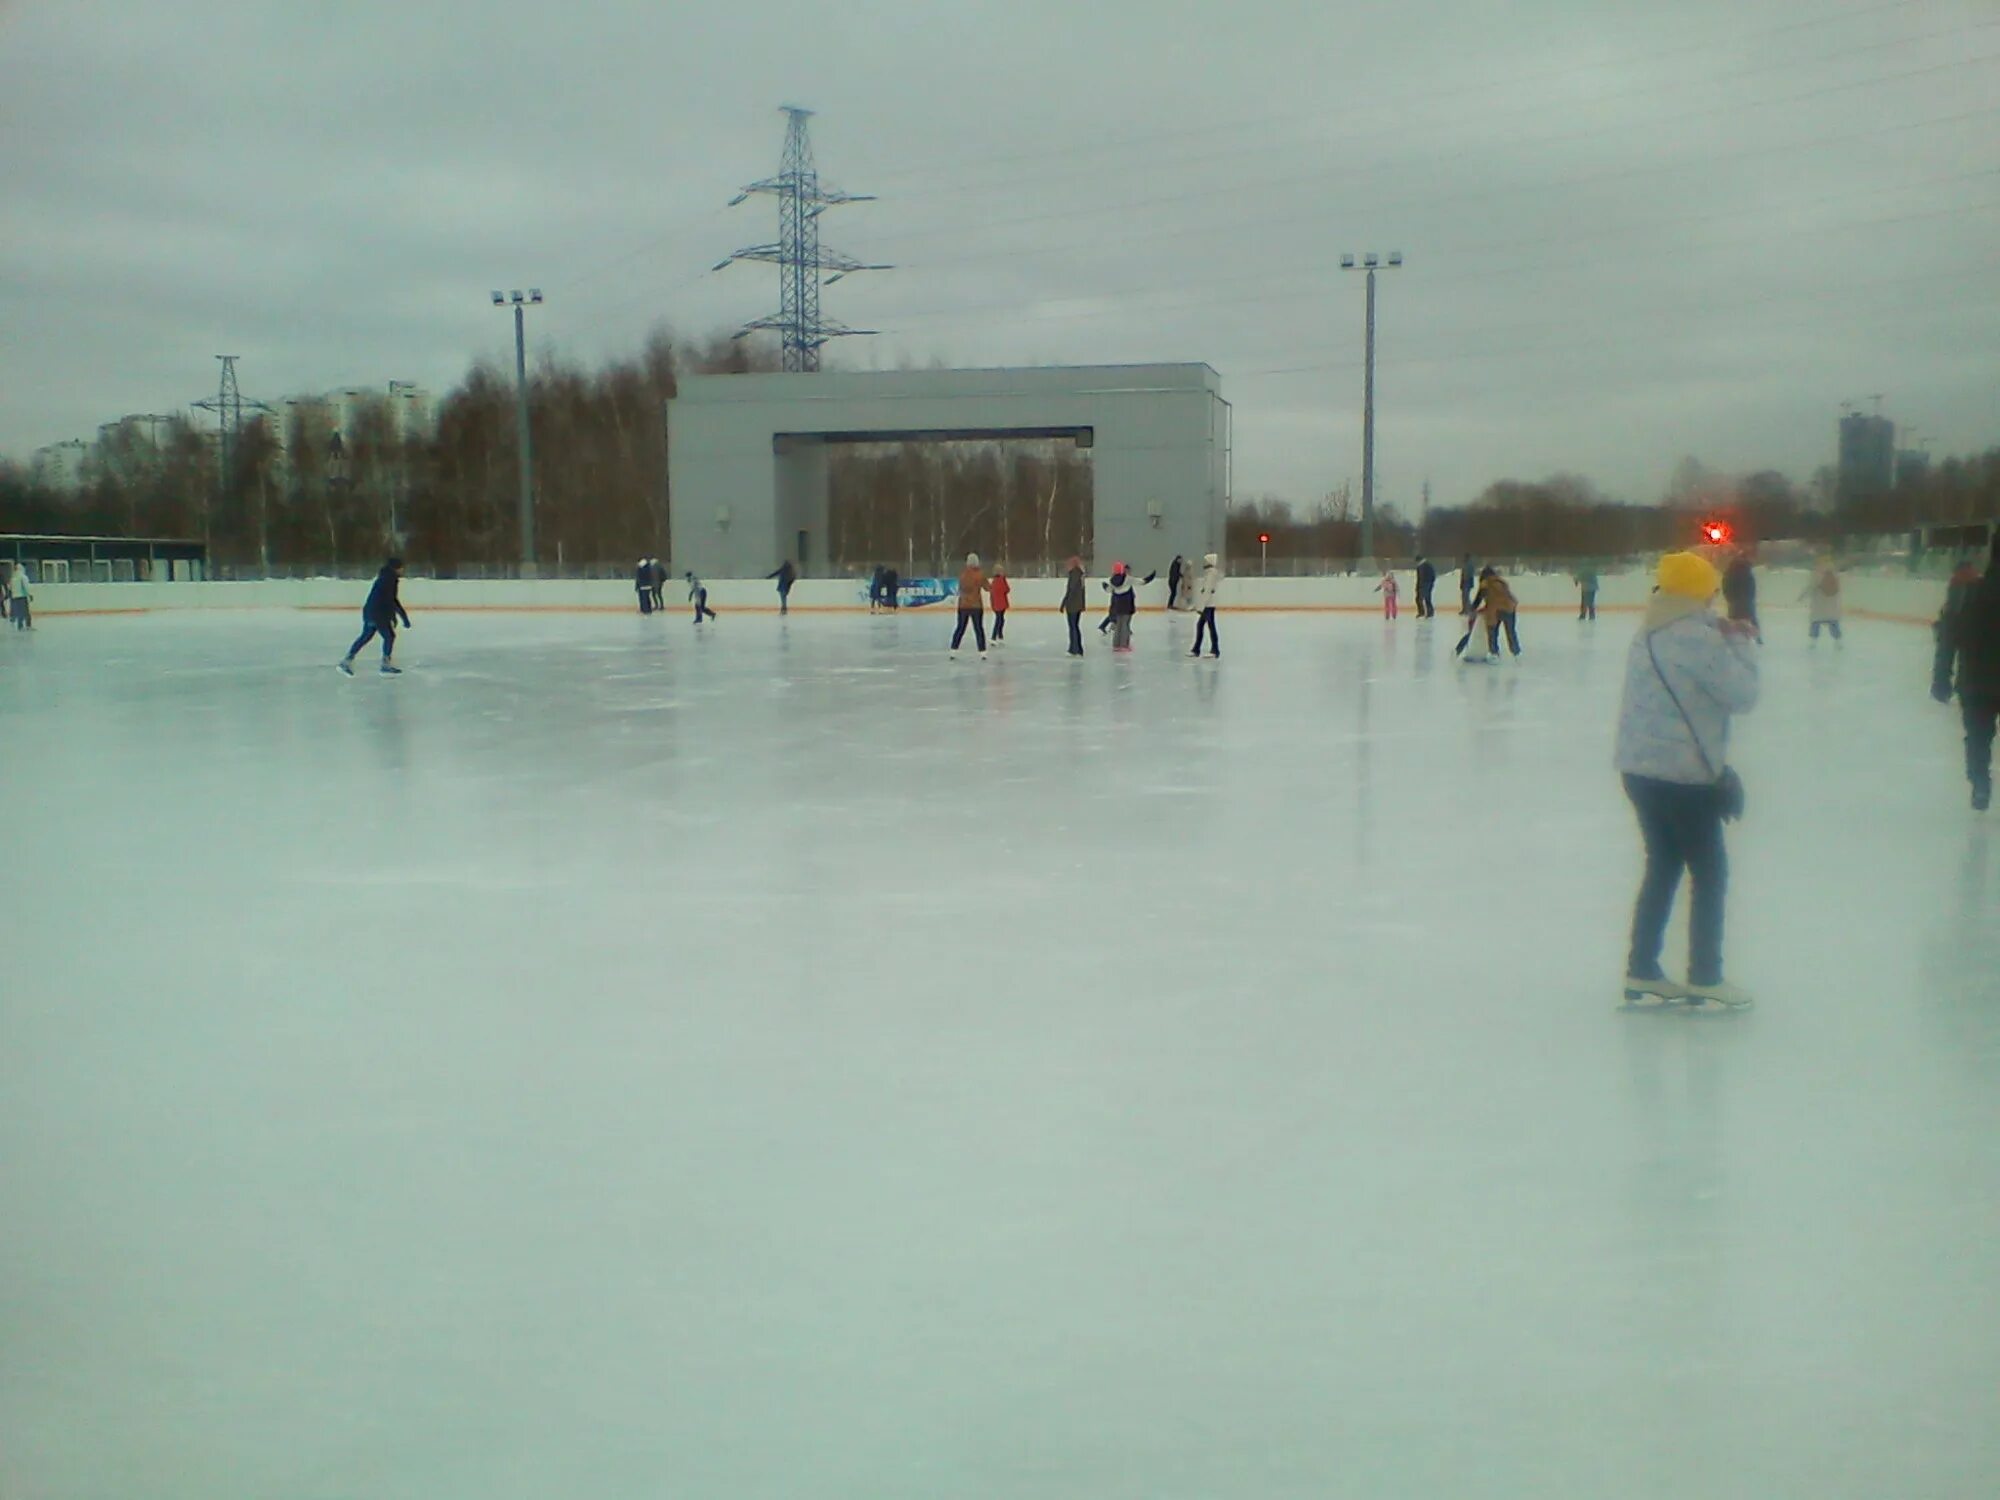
(379, 616)
(1686, 675)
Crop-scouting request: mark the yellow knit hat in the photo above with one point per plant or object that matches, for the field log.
(1689, 575)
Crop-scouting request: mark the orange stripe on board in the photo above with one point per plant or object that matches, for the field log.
(855, 609)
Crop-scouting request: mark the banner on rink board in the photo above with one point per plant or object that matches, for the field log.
(914, 593)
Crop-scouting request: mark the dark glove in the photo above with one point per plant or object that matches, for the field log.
(1941, 690)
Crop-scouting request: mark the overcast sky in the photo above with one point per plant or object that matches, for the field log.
(1634, 231)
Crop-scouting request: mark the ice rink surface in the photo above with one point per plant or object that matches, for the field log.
(610, 1061)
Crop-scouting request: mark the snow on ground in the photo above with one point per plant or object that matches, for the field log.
(613, 1060)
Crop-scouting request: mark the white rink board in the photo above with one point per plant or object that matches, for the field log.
(1538, 592)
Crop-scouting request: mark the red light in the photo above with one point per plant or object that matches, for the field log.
(1715, 533)
(1264, 537)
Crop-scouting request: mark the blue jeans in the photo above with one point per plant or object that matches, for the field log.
(1833, 625)
(1206, 622)
(1979, 716)
(1682, 826)
(369, 630)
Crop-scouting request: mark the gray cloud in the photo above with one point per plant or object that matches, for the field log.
(1633, 232)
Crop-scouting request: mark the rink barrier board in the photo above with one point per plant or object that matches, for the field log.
(1897, 600)
(82, 612)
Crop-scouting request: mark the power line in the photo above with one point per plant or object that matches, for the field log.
(1430, 120)
(1427, 119)
(959, 313)
(1601, 338)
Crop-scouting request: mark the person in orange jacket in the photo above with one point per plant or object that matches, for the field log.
(1498, 610)
(999, 592)
(971, 604)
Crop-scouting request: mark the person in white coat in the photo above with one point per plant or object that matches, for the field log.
(1687, 673)
(18, 596)
(1204, 600)
(1823, 594)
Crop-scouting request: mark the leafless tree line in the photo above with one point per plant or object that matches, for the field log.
(920, 507)
(293, 492)
(1567, 516)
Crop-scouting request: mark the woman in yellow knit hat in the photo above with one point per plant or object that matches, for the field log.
(1687, 673)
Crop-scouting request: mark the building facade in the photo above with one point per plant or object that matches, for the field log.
(1867, 457)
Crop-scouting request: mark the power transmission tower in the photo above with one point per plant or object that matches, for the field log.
(229, 405)
(800, 258)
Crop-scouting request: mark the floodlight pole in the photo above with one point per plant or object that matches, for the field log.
(520, 303)
(1370, 263)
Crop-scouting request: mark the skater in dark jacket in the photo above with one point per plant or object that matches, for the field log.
(1072, 606)
(1964, 583)
(1427, 579)
(659, 573)
(1739, 593)
(1124, 604)
(642, 582)
(786, 575)
(1466, 579)
(891, 582)
(379, 616)
(1969, 645)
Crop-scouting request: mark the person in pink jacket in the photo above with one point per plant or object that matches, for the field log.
(1388, 589)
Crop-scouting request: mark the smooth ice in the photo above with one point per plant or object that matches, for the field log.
(779, 1061)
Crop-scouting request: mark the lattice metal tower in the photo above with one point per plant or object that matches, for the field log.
(801, 260)
(229, 405)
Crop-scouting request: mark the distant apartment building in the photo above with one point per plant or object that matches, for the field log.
(59, 466)
(1867, 457)
(342, 413)
(140, 427)
(411, 410)
(1912, 464)
(416, 411)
